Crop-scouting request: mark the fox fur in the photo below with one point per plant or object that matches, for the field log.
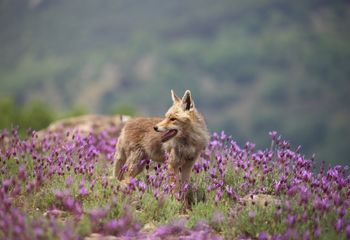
(182, 135)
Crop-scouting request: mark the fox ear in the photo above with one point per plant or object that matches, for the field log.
(187, 101)
(174, 97)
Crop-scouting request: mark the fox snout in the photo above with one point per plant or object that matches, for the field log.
(160, 128)
(167, 134)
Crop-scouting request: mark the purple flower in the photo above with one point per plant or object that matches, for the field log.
(249, 146)
(251, 214)
(16, 190)
(223, 136)
(22, 173)
(218, 195)
(273, 135)
(97, 213)
(232, 194)
(347, 231)
(290, 220)
(218, 218)
(317, 232)
(69, 181)
(6, 184)
(338, 225)
(263, 236)
(38, 231)
(83, 191)
(292, 191)
(306, 235)
(112, 226)
(171, 229)
(304, 195)
(69, 202)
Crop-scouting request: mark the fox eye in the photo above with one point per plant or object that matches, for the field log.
(172, 119)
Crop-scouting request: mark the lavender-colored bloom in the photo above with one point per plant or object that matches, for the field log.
(338, 225)
(38, 231)
(292, 191)
(290, 220)
(304, 195)
(342, 212)
(223, 136)
(6, 184)
(83, 191)
(218, 218)
(317, 232)
(69, 202)
(112, 227)
(347, 231)
(218, 195)
(22, 173)
(175, 228)
(291, 233)
(69, 181)
(306, 235)
(16, 190)
(263, 236)
(273, 134)
(231, 193)
(251, 214)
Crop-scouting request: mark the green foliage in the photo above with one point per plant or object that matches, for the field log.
(75, 111)
(35, 115)
(201, 211)
(254, 219)
(158, 211)
(124, 110)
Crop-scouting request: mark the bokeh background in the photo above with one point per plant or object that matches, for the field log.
(253, 66)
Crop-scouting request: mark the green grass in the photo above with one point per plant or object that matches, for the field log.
(263, 220)
(160, 211)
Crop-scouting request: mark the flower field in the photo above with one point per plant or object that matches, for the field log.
(57, 186)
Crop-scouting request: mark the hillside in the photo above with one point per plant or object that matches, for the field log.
(253, 66)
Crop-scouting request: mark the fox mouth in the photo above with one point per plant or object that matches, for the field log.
(168, 135)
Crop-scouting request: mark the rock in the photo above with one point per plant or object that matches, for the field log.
(262, 200)
(55, 213)
(97, 236)
(148, 227)
(87, 124)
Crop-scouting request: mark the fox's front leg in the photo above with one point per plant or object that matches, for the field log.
(186, 171)
(173, 168)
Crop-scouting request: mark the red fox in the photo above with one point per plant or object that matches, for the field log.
(182, 134)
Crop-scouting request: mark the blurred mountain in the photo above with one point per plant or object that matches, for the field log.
(253, 66)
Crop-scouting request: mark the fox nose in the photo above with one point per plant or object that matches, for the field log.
(155, 128)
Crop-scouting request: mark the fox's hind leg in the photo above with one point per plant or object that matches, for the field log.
(134, 164)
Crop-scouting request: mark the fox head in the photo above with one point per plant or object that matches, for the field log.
(179, 116)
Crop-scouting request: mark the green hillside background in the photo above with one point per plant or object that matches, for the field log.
(253, 66)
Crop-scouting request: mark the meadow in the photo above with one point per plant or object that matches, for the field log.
(56, 186)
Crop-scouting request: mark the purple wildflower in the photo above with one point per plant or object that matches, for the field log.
(347, 231)
(263, 236)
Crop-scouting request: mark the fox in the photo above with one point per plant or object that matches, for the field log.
(181, 136)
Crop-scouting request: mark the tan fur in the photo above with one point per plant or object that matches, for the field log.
(141, 139)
